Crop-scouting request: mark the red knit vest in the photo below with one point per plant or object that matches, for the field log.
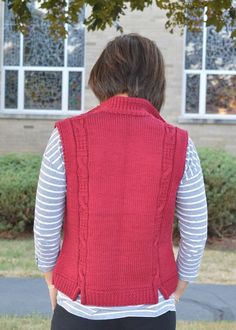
(123, 165)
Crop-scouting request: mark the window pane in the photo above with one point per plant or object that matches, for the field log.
(39, 48)
(220, 50)
(75, 82)
(192, 93)
(11, 89)
(11, 47)
(194, 40)
(221, 96)
(75, 49)
(43, 90)
(193, 50)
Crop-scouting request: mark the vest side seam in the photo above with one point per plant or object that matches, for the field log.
(78, 217)
(81, 141)
(67, 138)
(178, 140)
(155, 252)
(169, 149)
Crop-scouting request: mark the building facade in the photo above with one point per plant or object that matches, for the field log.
(42, 80)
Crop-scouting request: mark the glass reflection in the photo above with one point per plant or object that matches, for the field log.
(221, 95)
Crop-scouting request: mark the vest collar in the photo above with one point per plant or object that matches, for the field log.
(128, 104)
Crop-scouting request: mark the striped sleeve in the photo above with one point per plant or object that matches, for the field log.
(191, 211)
(49, 205)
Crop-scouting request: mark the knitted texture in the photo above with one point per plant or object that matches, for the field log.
(123, 164)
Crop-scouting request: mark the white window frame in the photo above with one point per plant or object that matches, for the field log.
(203, 84)
(21, 69)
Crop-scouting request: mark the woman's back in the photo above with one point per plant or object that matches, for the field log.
(114, 179)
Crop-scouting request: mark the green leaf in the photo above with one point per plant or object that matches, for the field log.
(104, 13)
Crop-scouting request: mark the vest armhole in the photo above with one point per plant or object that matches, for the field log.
(181, 152)
(66, 132)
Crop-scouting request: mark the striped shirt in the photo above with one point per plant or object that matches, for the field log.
(191, 212)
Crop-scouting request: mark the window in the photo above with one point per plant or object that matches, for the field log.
(209, 74)
(42, 75)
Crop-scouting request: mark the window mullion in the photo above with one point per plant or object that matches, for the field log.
(21, 81)
(65, 76)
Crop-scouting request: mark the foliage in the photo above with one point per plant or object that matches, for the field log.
(19, 175)
(219, 13)
(219, 170)
(18, 181)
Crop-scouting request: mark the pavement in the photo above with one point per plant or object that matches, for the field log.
(206, 302)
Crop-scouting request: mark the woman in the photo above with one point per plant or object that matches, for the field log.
(114, 177)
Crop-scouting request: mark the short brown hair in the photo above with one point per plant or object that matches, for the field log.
(130, 64)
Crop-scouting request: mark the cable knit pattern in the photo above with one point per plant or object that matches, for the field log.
(168, 153)
(82, 163)
(117, 247)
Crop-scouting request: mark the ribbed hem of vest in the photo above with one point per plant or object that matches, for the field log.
(114, 297)
(120, 298)
(168, 287)
(66, 286)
